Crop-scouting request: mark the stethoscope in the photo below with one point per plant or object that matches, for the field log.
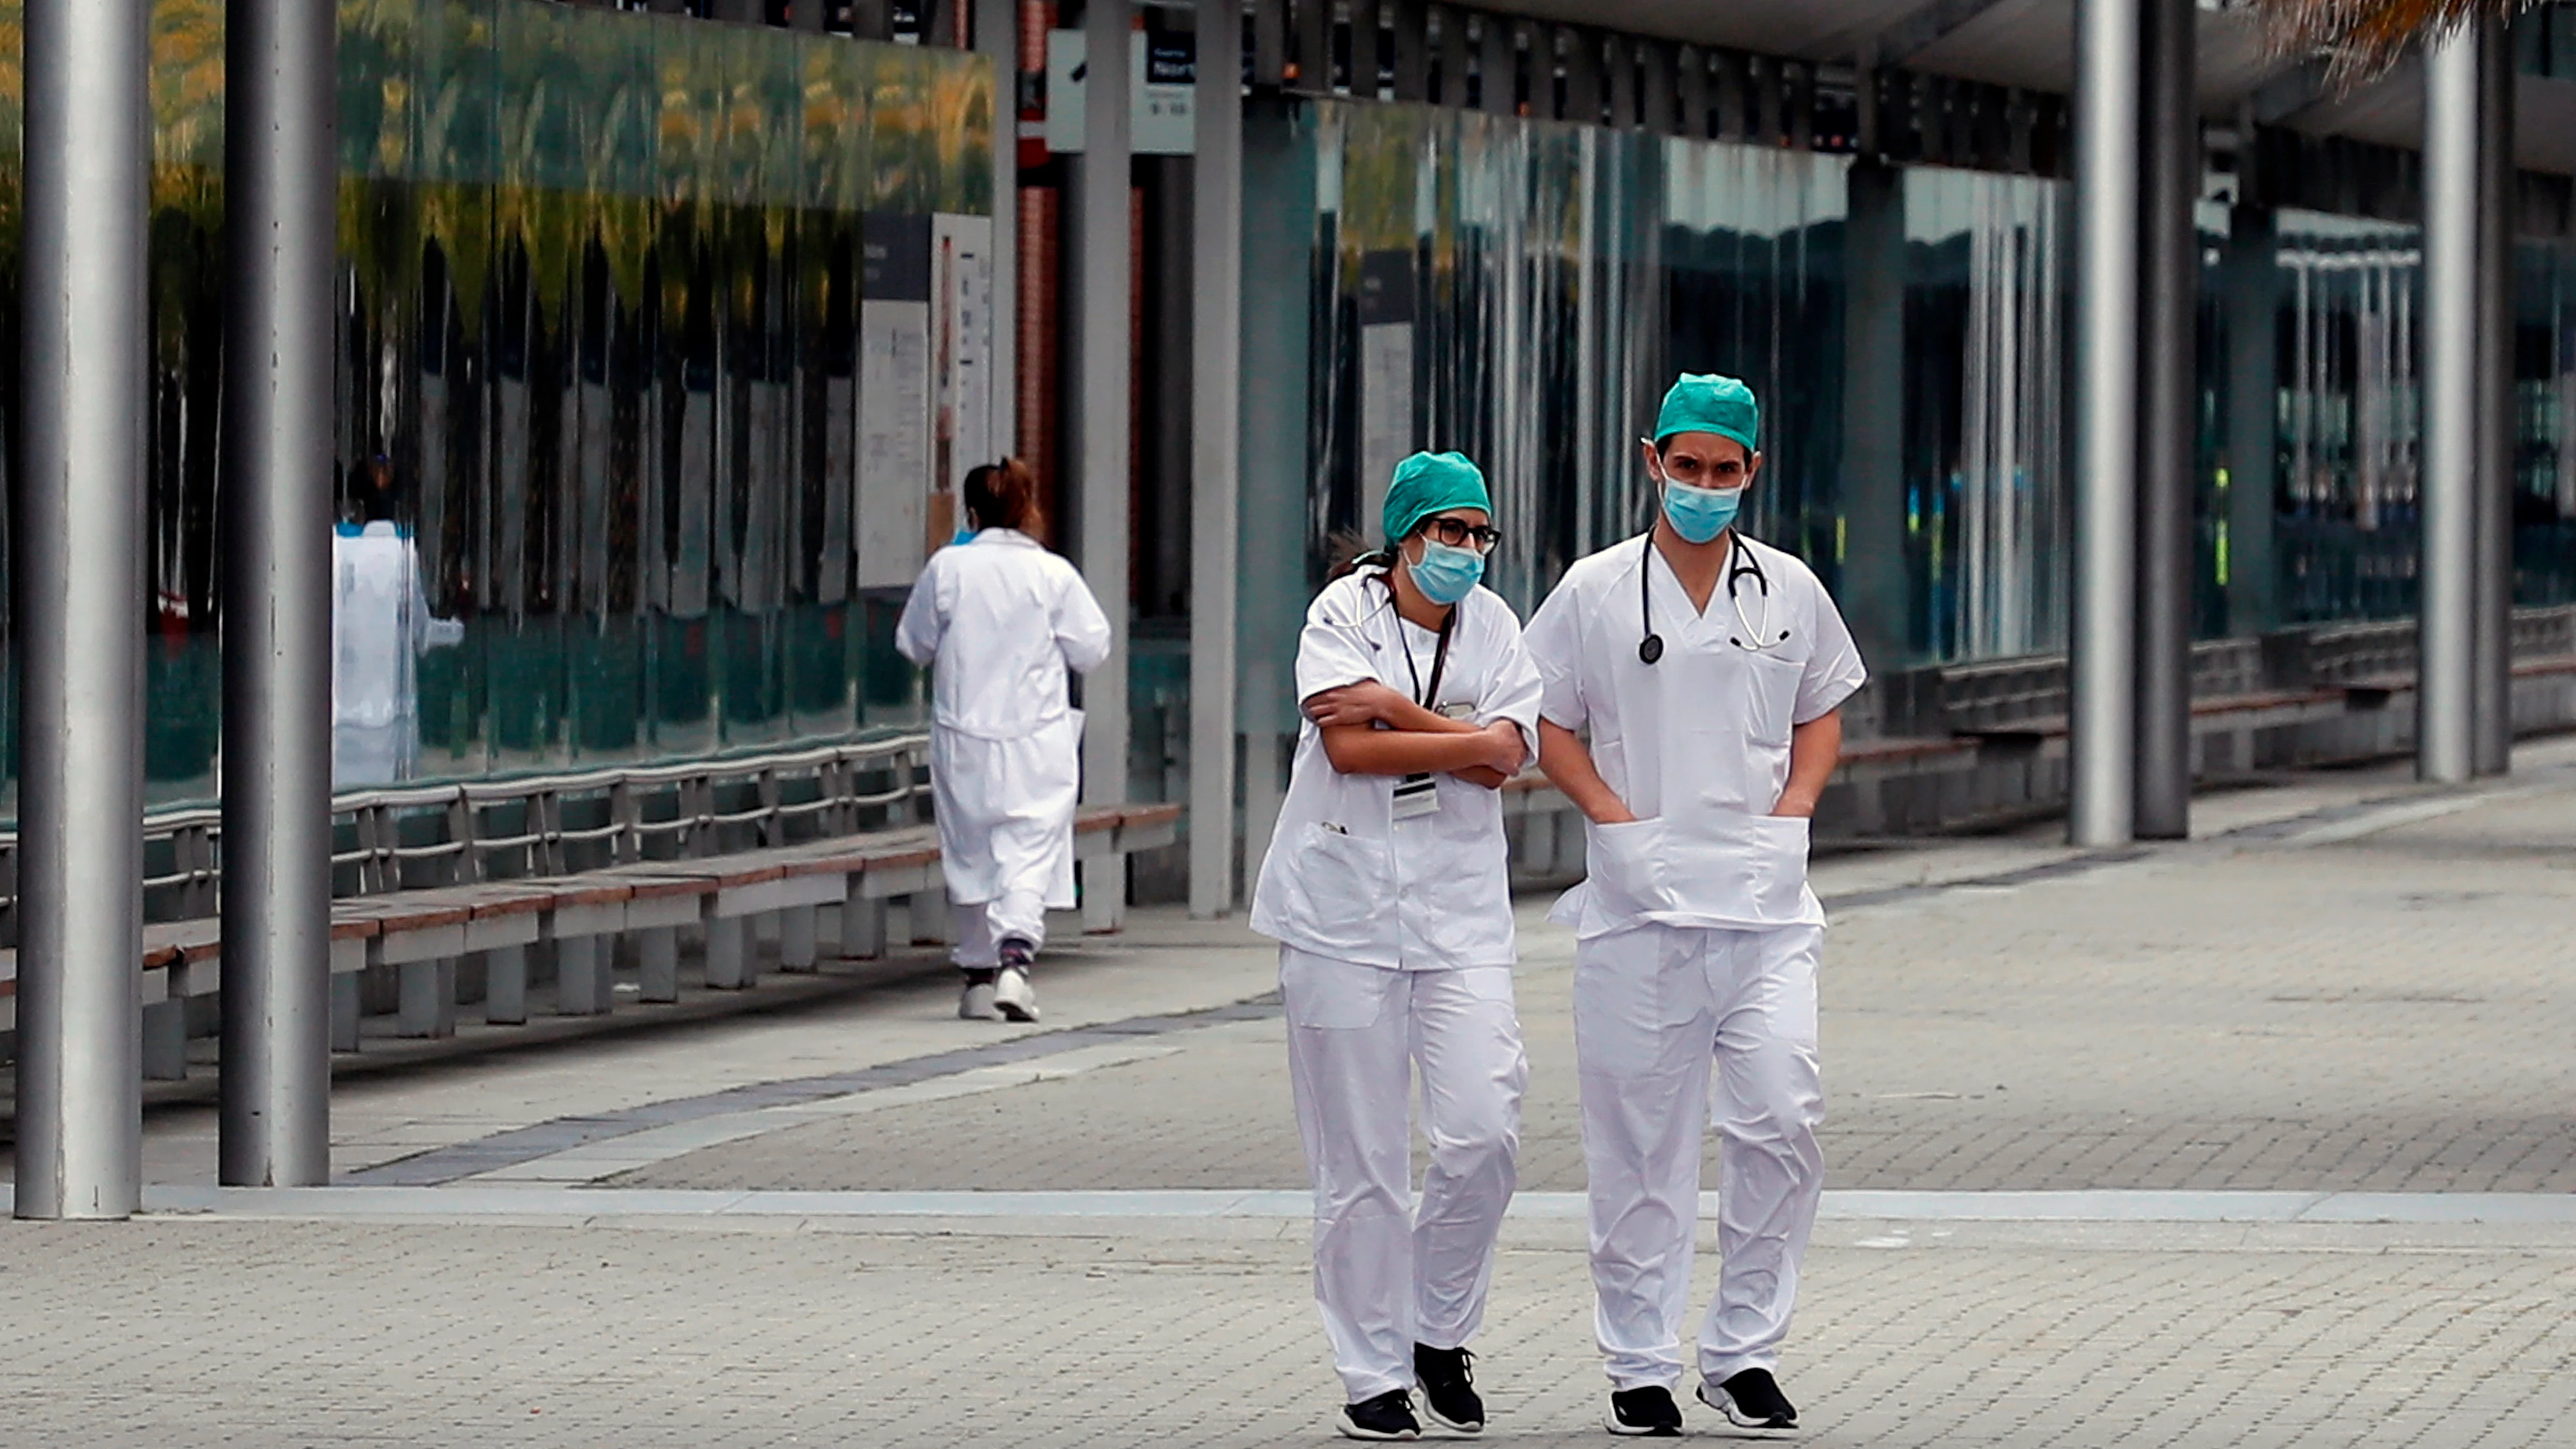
(1740, 562)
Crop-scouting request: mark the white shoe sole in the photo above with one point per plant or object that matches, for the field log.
(1721, 1401)
(1354, 1431)
(1014, 997)
(975, 1003)
(1632, 1431)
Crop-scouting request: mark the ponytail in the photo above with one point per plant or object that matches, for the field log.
(1350, 554)
(1005, 495)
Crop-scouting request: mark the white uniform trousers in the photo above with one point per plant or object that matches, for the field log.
(1652, 1006)
(1390, 1273)
(976, 943)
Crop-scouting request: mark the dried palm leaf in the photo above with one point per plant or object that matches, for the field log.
(2361, 39)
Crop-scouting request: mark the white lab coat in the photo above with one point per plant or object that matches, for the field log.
(380, 625)
(1001, 619)
(1697, 941)
(1396, 953)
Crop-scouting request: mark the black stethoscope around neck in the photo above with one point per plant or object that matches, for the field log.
(1740, 563)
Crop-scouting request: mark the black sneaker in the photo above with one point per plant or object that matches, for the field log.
(1388, 1416)
(1448, 1376)
(1751, 1400)
(1649, 1411)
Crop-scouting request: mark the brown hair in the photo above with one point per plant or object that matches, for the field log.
(1350, 553)
(1005, 495)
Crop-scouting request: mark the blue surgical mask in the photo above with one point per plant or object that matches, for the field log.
(1444, 574)
(1700, 514)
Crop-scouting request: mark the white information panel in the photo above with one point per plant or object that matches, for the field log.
(896, 466)
(962, 285)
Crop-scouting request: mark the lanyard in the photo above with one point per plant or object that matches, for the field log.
(1439, 657)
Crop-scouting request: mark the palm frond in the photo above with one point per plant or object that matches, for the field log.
(2361, 39)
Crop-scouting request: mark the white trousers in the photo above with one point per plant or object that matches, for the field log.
(1390, 1273)
(1652, 1007)
(980, 929)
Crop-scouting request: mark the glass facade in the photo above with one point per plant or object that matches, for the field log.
(1523, 290)
(659, 355)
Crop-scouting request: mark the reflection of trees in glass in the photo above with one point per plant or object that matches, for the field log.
(559, 229)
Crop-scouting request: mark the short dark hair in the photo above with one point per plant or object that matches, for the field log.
(1005, 495)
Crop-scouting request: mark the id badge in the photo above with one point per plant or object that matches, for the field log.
(1416, 796)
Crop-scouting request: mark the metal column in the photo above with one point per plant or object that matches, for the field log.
(2168, 304)
(2491, 699)
(2446, 619)
(1216, 440)
(1100, 284)
(1874, 582)
(79, 578)
(2106, 394)
(281, 159)
(997, 36)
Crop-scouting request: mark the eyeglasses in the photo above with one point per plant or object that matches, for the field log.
(1458, 533)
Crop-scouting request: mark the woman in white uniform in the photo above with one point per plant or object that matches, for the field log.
(1001, 619)
(1387, 889)
(1708, 671)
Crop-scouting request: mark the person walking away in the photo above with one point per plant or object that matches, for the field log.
(1000, 620)
(1709, 670)
(1387, 887)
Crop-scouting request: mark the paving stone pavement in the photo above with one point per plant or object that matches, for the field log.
(2385, 1012)
(2329, 1000)
(268, 1335)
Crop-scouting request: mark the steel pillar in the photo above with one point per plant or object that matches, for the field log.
(1216, 441)
(2446, 619)
(2491, 702)
(1874, 583)
(2101, 686)
(281, 174)
(1100, 363)
(2249, 281)
(997, 38)
(2169, 311)
(79, 577)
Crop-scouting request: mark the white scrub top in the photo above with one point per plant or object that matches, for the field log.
(380, 625)
(1346, 879)
(1696, 744)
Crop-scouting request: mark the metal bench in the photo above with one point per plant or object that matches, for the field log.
(571, 864)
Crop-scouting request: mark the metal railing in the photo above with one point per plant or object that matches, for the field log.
(415, 836)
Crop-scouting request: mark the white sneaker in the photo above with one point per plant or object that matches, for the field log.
(1016, 998)
(975, 1003)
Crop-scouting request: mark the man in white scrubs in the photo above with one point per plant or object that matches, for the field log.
(1693, 679)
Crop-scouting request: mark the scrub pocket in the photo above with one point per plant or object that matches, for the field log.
(1623, 862)
(1344, 888)
(1318, 991)
(1732, 865)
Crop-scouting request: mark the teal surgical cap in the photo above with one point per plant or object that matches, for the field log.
(1429, 483)
(1703, 402)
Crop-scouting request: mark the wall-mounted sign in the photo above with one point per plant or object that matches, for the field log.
(896, 475)
(1162, 78)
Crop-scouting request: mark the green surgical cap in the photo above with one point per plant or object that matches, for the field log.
(1703, 402)
(1429, 483)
